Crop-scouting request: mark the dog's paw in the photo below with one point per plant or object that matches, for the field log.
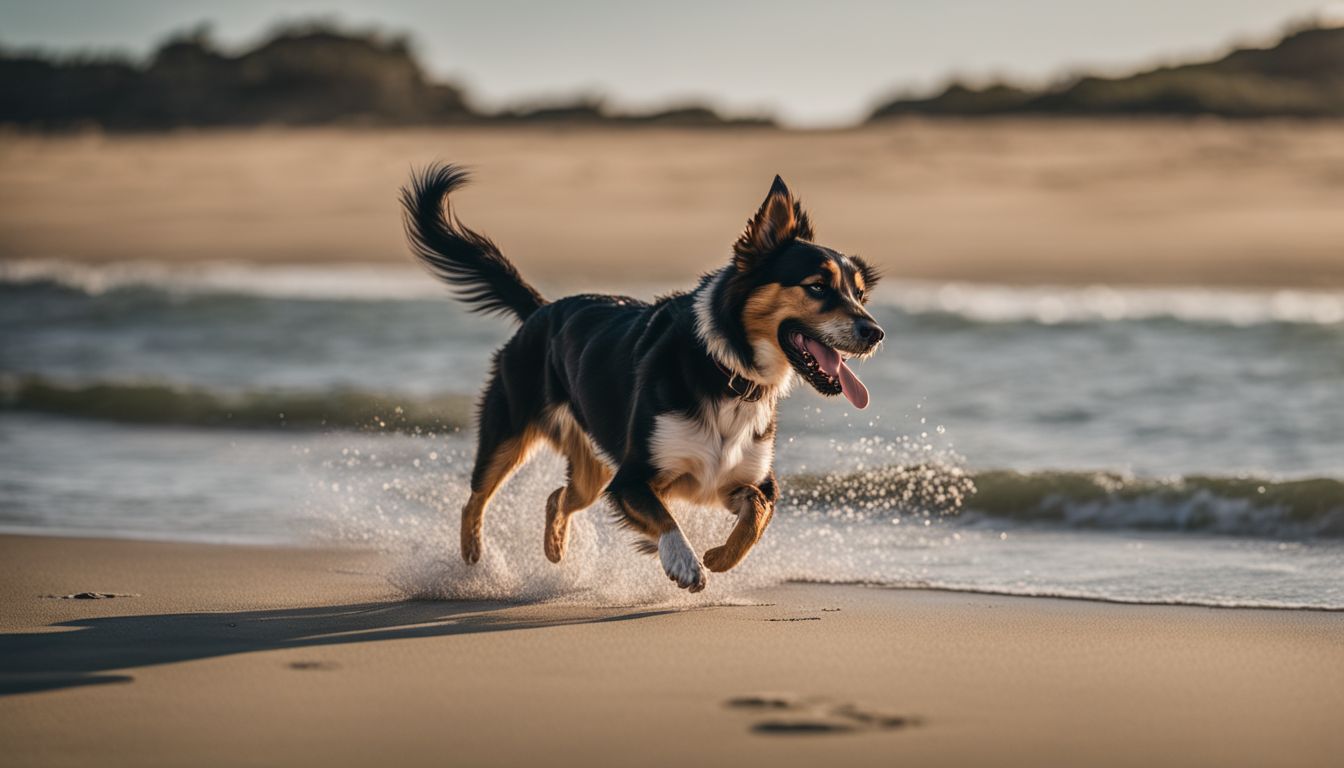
(719, 559)
(471, 548)
(557, 528)
(679, 561)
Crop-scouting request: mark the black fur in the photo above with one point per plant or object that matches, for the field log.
(485, 280)
(615, 364)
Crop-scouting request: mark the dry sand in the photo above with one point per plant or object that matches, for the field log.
(273, 656)
(1211, 202)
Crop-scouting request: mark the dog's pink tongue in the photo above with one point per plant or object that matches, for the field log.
(830, 362)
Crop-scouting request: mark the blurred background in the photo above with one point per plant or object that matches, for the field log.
(1111, 235)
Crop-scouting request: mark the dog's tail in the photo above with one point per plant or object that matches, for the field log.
(466, 260)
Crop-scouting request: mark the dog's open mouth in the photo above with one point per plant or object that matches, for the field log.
(822, 366)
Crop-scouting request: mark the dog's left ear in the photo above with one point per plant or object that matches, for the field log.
(780, 219)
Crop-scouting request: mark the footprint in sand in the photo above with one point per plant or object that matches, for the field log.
(313, 665)
(816, 715)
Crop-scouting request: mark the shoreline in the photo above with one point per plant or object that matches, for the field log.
(244, 655)
(336, 549)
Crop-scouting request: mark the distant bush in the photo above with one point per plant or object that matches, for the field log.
(1301, 76)
(303, 74)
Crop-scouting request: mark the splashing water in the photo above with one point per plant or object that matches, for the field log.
(406, 500)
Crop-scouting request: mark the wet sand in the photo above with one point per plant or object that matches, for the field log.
(217, 655)
(1019, 201)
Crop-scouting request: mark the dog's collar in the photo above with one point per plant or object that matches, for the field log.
(740, 386)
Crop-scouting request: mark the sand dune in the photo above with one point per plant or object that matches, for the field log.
(1020, 201)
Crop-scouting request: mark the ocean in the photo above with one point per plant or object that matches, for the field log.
(1155, 445)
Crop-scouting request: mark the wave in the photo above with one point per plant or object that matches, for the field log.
(1057, 305)
(1242, 506)
(160, 404)
(979, 303)
(1239, 506)
(1091, 595)
(370, 282)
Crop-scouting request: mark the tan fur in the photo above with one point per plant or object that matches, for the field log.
(507, 457)
(860, 283)
(829, 268)
(780, 218)
(588, 476)
(753, 512)
(765, 310)
(771, 226)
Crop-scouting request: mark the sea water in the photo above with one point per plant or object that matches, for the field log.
(1133, 444)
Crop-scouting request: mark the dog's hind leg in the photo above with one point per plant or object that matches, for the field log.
(585, 479)
(754, 506)
(494, 463)
(500, 449)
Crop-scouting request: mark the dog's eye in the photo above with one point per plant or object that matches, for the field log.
(816, 289)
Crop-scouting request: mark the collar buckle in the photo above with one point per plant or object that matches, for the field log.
(744, 389)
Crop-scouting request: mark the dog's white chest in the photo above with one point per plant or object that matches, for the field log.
(715, 450)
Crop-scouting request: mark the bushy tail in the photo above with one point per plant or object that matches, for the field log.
(466, 260)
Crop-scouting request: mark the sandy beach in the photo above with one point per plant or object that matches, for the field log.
(218, 655)
(1020, 201)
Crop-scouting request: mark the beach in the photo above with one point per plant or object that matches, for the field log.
(219, 655)
(1093, 516)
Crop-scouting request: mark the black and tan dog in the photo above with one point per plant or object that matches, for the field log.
(650, 402)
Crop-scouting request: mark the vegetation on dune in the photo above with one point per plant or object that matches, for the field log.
(305, 74)
(319, 74)
(1301, 76)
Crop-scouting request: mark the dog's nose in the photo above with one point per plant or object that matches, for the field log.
(869, 331)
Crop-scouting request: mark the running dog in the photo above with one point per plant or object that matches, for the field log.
(650, 402)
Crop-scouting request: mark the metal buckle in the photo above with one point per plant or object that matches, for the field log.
(745, 389)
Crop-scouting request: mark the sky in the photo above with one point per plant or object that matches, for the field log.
(813, 64)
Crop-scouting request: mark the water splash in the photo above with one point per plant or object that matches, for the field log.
(404, 496)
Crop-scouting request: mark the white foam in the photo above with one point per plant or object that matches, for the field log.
(600, 566)
(325, 281)
(979, 302)
(1052, 305)
(406, 498)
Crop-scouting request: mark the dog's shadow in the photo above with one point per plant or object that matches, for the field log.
(85, 651)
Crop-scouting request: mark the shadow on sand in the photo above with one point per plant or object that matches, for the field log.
(89, 649)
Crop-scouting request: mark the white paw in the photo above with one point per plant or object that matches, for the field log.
(680, 562)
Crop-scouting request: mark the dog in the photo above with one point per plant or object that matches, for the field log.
(651, 402)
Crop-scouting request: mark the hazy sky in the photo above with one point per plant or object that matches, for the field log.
(812, 63)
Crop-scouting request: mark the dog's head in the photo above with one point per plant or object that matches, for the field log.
(798, 305)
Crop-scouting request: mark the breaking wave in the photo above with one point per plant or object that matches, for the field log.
(979, 303)
(1304, 508)
(1239, 505)
(154, 403)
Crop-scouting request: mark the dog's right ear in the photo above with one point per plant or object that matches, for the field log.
(780, 219)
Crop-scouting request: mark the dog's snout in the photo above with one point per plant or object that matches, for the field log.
(869, 331)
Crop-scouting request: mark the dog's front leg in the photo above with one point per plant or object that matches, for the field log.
(645, 512)
(754, 506)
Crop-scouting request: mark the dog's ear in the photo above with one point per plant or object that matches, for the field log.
(869, 273)
(780, 219)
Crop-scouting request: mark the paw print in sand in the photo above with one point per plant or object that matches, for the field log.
(786, 714)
